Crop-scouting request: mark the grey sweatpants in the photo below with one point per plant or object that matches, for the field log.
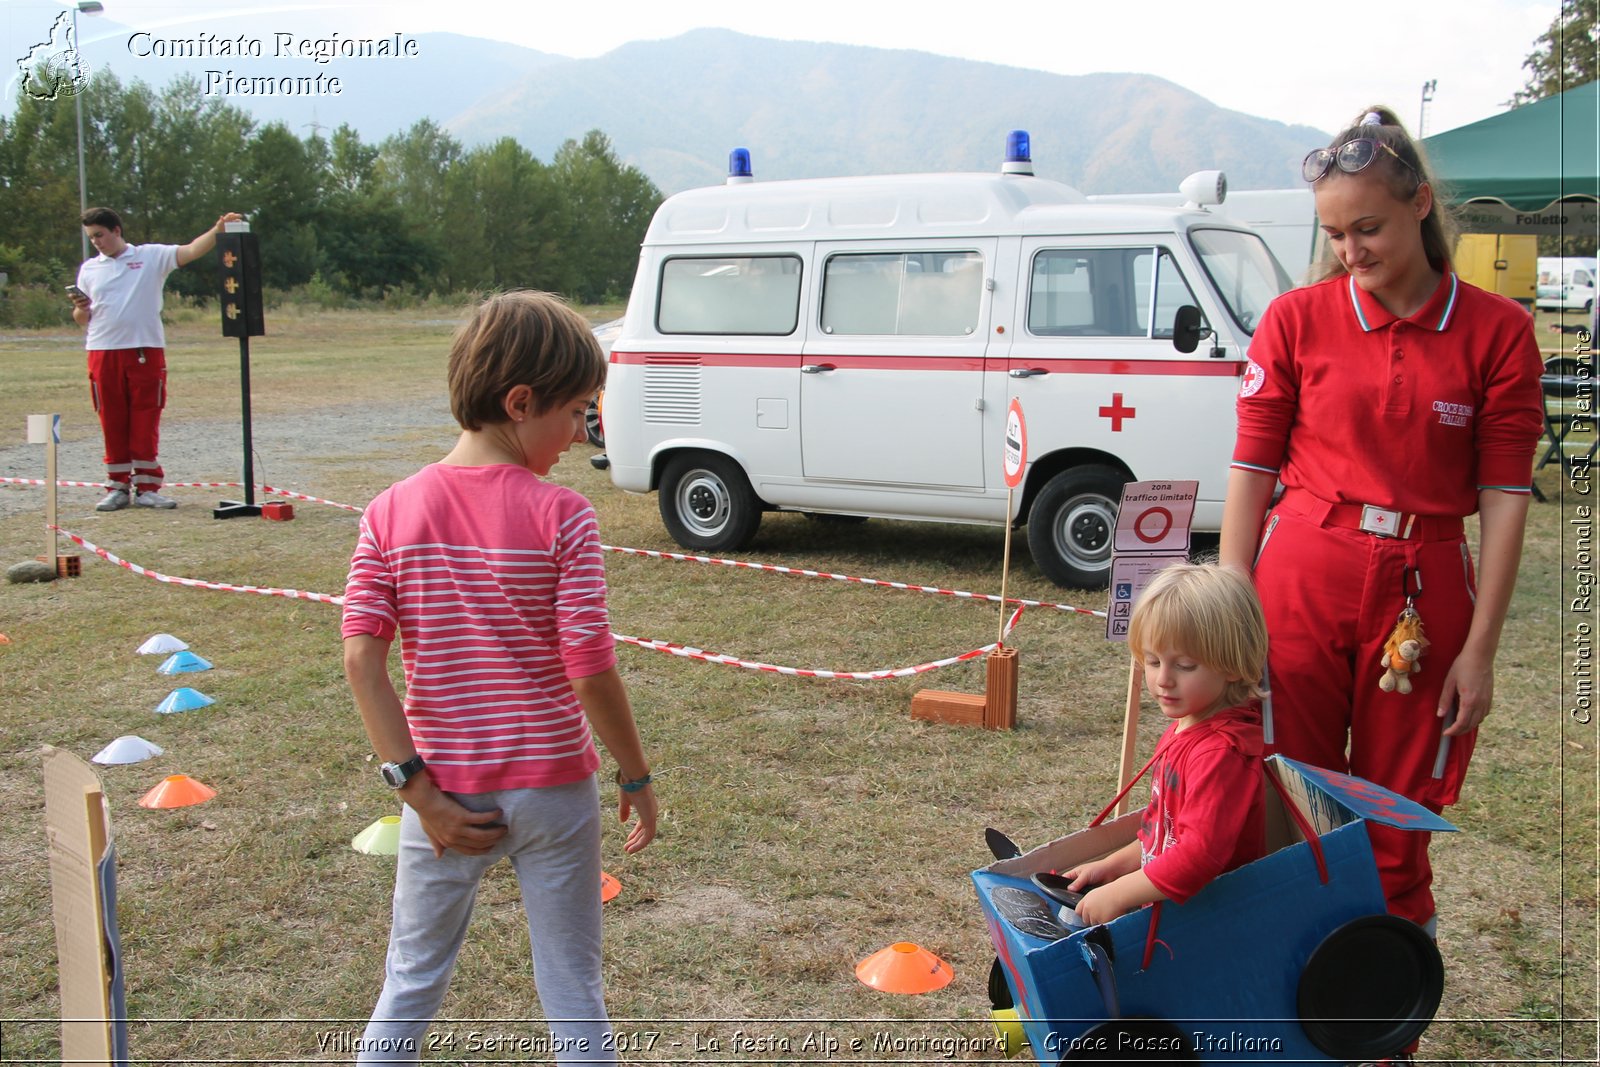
(553, 843)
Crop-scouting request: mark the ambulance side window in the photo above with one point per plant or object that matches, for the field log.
(728, 294)
(1171, 291)
(1089, 292)
(923, 294)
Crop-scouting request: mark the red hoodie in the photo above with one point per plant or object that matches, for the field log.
(1207, 811)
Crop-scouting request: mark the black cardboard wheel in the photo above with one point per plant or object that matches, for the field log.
(999, 991)
(1131, 1039)
(1371, 988)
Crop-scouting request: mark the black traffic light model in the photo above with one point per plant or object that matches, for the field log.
(239, 270)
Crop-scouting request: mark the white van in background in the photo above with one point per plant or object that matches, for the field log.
(1285, 218)
(849, 346)
(1566, 284)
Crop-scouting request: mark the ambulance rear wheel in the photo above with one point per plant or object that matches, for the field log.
(1071, 524)
(707, 503)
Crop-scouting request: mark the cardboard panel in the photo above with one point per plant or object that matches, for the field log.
(79, 829)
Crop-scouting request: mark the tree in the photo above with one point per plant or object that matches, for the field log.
(283, 204)
(513, 237)
(609, 206)
(1566, 55)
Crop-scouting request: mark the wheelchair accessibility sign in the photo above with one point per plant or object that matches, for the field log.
(1129, 575)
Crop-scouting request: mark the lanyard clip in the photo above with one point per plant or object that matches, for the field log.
(1410, 584)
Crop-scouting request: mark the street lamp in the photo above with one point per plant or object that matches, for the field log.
(1422, 110)
(88, 7)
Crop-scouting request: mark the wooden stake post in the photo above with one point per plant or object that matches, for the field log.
(46, 430)
(996, 709)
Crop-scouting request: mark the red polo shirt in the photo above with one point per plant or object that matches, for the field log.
(1355, 406)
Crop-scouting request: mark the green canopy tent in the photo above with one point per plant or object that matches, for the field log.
(1535, 169)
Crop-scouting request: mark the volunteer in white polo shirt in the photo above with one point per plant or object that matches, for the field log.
(120, 303)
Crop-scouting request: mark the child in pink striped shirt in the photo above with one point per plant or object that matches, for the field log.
(494, 582)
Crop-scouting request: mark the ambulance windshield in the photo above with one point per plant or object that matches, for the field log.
(1246, 275)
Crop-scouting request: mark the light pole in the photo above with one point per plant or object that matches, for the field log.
(88, 7)
(1422, 110)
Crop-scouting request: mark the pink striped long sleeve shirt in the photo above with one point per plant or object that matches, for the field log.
(495, 583)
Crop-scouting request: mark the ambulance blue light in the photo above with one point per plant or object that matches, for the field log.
(1019, 154)
(739, 166)
(1018, 149)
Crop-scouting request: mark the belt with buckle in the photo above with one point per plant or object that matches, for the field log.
(1369, 518)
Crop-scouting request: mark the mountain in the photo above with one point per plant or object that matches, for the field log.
(377, 96)
(674, 108)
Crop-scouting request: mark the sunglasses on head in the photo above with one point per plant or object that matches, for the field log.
(1352, 157)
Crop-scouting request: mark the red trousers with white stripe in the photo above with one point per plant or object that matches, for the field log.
(1331, 597)
(129, 388)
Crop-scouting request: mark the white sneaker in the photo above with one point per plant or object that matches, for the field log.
(115, 500)
(153, 500)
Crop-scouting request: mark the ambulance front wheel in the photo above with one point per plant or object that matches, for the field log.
(707, 503)
(1071, 525)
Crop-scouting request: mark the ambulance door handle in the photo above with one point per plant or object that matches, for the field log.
(1028, 372)
(817, 368)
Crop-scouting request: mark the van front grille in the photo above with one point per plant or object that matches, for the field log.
(672, 389)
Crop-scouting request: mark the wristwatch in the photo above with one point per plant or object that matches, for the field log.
(398, 774)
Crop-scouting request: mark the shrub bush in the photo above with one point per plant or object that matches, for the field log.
(34, 307)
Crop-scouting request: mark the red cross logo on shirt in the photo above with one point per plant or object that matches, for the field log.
(1116, 412)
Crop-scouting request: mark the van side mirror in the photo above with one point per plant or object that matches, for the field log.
(1188, 329)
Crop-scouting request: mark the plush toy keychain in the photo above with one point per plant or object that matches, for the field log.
(1405, 645)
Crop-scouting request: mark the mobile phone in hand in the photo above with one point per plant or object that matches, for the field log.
(76, 293)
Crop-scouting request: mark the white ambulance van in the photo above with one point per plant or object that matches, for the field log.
(849, 346)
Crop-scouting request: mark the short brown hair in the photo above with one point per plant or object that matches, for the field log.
(516, 338)
(1210, 613)
(101, 216)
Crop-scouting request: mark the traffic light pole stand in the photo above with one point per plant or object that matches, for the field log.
(233, 509)
(239, 270)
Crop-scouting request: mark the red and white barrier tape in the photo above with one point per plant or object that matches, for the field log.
(41, 481)
(799, 572)
(293, 594)
(801, 672)
(681, 557)
(193, 485)
(658, 646)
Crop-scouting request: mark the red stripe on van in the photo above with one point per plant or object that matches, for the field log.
(791, 361)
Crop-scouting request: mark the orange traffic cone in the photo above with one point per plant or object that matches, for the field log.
(609, 887)
(177, 791)
(904, 967)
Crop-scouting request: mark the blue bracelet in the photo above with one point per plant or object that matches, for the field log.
(635, 785)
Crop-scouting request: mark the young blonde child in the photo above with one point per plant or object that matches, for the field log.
(1198, 632)
(493, 579)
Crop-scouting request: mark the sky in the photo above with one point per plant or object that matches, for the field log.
(1313, 64)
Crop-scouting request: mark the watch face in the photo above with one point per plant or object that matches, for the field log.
(398, 774)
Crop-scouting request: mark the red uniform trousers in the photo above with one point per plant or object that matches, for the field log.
(1331, 597)
(129, 388)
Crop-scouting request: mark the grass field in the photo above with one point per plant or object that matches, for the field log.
(806, 824)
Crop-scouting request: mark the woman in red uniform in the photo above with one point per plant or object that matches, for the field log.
(1391, 399)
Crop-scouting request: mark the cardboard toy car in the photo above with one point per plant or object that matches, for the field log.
(1292, 958)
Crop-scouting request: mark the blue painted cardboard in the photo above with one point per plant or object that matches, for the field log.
(1226, 965)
